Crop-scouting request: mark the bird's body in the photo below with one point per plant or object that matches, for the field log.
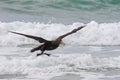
(47, 45)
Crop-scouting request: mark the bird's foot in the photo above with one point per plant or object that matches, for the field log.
(44, 53)
(47, 54)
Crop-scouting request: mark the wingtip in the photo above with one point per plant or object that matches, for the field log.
(84, 26)
(10, 31)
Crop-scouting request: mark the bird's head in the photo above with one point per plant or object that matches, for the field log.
(60, 41)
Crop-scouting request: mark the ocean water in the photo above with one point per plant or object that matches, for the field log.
(92, 53)
(60, 11)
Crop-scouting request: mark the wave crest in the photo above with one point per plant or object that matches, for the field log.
(93, 34)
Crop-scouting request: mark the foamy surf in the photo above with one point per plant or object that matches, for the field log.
(45, 68)
(93, 34)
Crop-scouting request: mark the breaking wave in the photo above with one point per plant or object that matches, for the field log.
(93, 34)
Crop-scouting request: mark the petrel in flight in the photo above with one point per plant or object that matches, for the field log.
(47, 44)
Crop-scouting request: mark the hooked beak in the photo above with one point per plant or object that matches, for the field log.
(62, 43)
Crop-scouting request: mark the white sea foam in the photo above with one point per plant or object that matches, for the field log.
(44, 68)
(93, 34)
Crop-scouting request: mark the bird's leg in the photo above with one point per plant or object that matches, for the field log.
(40, 53)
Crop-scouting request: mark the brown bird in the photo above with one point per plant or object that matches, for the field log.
(48, 45)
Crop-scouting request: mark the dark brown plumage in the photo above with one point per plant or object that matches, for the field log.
(48, 45)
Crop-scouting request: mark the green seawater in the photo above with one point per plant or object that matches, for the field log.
(75, 10)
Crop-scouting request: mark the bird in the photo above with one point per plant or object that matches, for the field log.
(48, 44)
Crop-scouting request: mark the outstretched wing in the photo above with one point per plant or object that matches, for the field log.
(69, 33)
(39, 39)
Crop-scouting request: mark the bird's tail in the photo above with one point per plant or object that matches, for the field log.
(33, 50)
